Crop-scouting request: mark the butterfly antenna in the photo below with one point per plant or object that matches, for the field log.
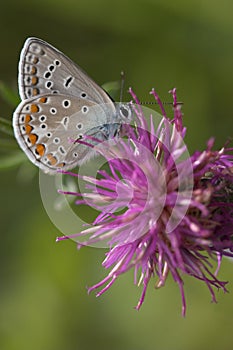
(122, 85)
(155, 103)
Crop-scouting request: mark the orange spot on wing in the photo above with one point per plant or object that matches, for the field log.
(43, 99)
(35, 60)
(27, 118)
(32, 138)
(52, 159)
(34, 108)
(40, 149)
(60, 165)
(35, 92)
(34, 80)
(33, 70)
(28, 128)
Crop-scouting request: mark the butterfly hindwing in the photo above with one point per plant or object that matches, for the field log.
(47, 127)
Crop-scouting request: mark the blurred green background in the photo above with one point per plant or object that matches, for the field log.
(160, 44)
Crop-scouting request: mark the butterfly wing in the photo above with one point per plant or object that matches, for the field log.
(48, 126)
(43, 70)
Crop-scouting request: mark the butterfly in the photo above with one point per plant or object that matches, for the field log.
(60, 105)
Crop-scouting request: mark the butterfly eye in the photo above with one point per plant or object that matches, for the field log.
(125, 111)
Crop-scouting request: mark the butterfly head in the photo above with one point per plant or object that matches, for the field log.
(124, 112)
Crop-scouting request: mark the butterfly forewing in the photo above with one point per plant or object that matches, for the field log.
(43, 69)
(60, 103)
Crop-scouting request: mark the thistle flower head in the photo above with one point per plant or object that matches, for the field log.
(161, 209)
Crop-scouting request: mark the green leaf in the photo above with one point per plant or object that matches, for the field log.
(8, 95)
(6, 127)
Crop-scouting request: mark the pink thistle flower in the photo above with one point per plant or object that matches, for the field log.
(161, 210)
